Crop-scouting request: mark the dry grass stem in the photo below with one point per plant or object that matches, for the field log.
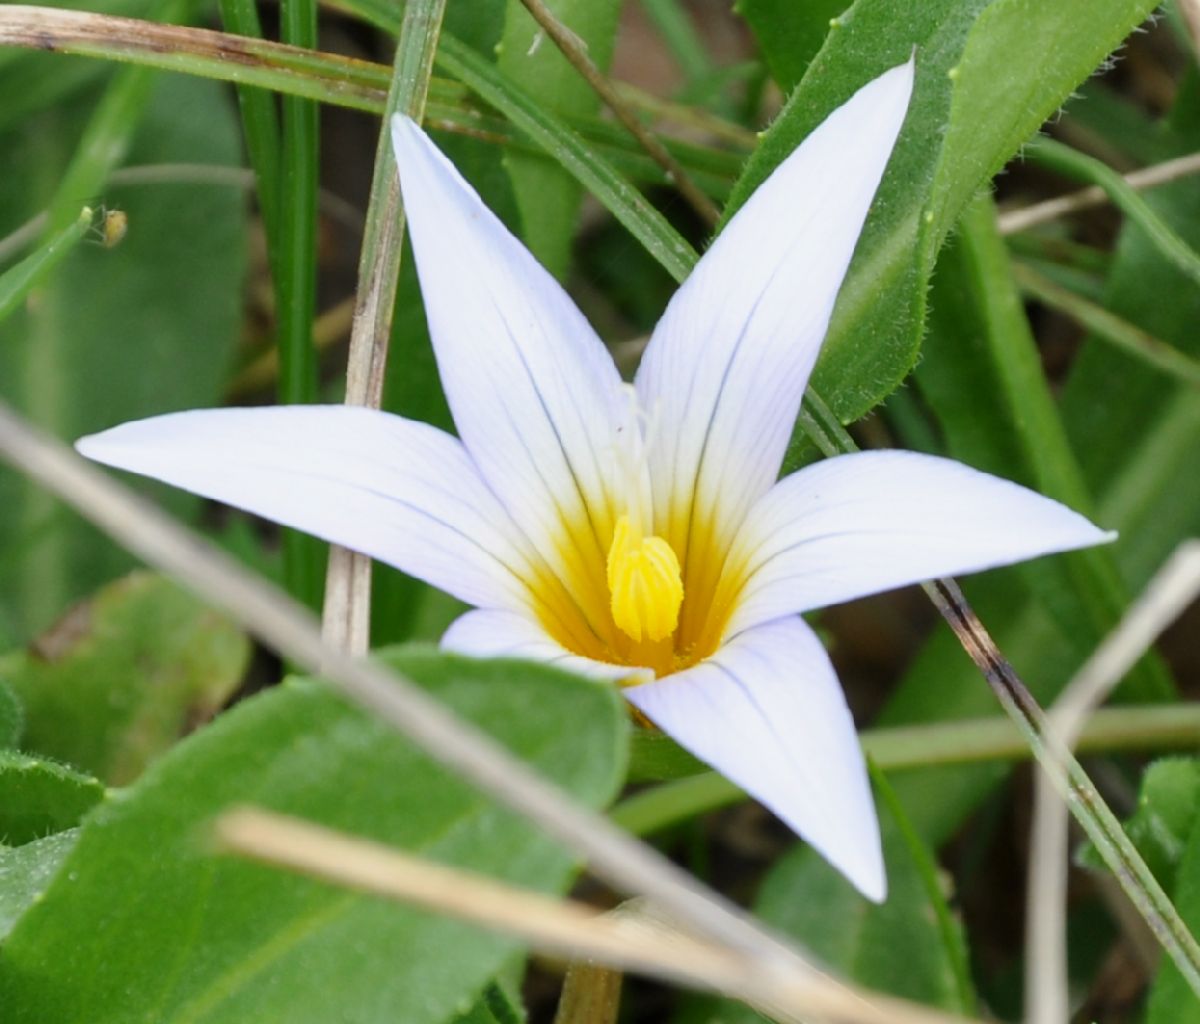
(591, 994)
(563, 928)
(116, 38)
(1173, 587)
(346, 618)
(1012, 221)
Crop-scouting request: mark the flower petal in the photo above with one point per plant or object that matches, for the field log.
(496, 633)
(535, 395)
(400, 491)
(858, 524)
(767, 712)
(726, 368)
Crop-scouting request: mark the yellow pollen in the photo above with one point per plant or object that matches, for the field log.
(644, 582)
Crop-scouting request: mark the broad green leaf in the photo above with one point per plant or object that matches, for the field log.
(806, 899)
(790, 34)
(1164, 818)
(988, 74)
(1171, 1000)
(124, 675)
(143, 328)
(547, 196)
(12, 717)
(25, 873)
(207, 939)
(40, 797)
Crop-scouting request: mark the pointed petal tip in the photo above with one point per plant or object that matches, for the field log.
(406, 134)
(870, 877)
(767, 712)
(105, 446)
(895, 85)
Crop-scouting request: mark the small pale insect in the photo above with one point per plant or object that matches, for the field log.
(114, 228)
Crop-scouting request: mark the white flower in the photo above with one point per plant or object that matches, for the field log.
(639, 532)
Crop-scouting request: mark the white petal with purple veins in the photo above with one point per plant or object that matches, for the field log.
(859, 524)
(535, 395)
(400, 491)
(725, 370)
(767, 712)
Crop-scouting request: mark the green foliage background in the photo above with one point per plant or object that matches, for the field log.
(127, 717)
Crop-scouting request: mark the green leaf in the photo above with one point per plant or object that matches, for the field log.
(146, 327)
(789, 34)
(125, 675)
(209, 939)
(12, 717)
(988, 74)
(26, 871)
(1171, 1000)
(39, 797)
(547, 196)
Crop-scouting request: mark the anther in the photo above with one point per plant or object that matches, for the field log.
(644, 583)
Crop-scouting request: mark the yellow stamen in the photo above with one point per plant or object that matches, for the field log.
(644, 582)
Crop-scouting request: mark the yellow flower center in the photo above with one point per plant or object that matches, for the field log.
(645, 583)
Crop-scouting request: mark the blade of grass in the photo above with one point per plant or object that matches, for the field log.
(327, 77)
(347, 610)
(18, 281)
(572, 48)
(620, 198)
(1061, 159)
(1072, 783)
(296, 278)
(677, 31)
(352, 83)
(927, 869)
(1109, 327)
(1026, 217)
(261, 127)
